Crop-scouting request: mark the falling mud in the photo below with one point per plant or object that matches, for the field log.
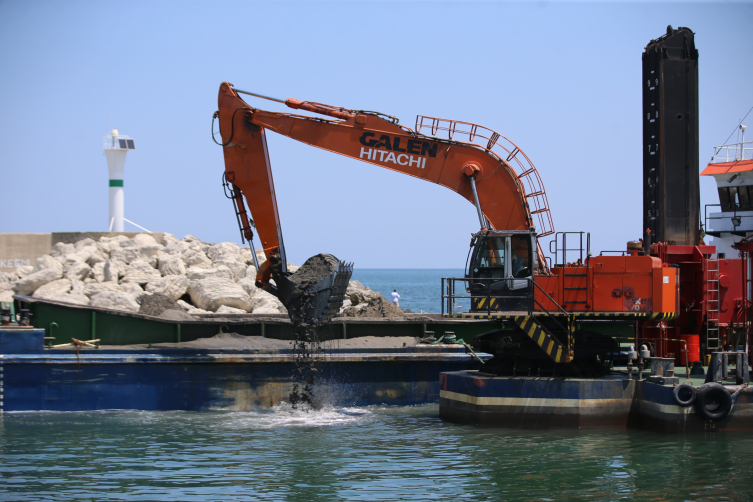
(306, 346)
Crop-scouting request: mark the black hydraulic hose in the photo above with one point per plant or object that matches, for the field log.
(232, 125)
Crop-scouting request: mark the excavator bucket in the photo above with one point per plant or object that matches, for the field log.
(315, 292)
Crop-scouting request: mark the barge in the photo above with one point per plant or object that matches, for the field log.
(612, 401)
(162, 378)
(148, 363)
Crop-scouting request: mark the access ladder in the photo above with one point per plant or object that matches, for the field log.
(713, 342)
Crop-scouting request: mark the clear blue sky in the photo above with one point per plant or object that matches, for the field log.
(562, 80)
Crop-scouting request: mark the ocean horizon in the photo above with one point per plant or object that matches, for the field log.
(419, 288)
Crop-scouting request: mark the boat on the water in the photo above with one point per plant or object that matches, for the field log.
(718, 396)
(706, 326)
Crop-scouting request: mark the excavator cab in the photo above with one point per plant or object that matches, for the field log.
(500, 267)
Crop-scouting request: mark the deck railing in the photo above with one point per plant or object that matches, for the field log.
(507, 152)
(733, 152)
(527, 295)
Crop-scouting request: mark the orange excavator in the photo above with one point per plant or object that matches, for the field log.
(507, 276)
(481, 165)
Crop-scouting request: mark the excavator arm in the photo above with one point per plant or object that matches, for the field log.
(378, 140)
(480, 165)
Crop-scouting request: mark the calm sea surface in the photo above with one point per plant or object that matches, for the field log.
(374, 453)
(419, 289)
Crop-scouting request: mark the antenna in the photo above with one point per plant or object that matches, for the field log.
(742, 143)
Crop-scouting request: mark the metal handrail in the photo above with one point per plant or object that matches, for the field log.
(583, 263)
(509, 154)
(735, 148)
(564, 249)
(623, 251)
(451, 296)
(491, 280)
(531, 284)
(569, 316)
(735, 208)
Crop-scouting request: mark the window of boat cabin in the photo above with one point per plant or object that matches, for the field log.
(733, 198)
(740, 197)
(724, 198)
(743, 193)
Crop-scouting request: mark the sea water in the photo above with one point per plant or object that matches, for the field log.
(419, 289)
(372, 453)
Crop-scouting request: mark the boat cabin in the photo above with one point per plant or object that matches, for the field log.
(732, 218)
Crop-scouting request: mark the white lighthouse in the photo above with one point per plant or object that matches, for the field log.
(116, 147)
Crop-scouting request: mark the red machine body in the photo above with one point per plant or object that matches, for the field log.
(713, 303)
(613, 284)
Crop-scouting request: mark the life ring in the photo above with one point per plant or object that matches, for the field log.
(685, 394)
(714, 402)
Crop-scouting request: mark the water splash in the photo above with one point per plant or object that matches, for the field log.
(284, 416)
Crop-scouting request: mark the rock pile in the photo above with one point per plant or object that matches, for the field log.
(119, 273)
(364, 302)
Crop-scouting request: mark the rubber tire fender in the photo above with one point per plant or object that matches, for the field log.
(710, 391)
(679, 390)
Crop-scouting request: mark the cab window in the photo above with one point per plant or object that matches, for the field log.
(520, 255)
(489, 260)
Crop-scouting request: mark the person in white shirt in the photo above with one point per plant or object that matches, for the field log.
(395, 296)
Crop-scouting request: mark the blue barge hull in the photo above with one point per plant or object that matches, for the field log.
(33, 378)
(546, 403)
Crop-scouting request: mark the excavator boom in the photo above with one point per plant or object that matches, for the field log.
(376, 139)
